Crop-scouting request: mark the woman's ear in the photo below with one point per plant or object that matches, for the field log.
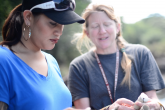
(27, 15)
(87, 33)
(118, 27)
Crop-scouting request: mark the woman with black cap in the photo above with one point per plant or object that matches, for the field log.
(30, 79)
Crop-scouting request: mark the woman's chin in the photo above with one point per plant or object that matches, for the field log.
(48, 48)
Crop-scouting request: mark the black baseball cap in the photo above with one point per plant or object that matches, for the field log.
(60, 11)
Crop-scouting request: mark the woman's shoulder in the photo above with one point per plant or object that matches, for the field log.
(136, 47)
(6, 55)
(4, 52)
(82, 58)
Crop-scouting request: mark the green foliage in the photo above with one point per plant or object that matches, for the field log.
(149, 32)
(5, 7)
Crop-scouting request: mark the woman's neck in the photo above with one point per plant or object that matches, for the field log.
(109, 50)
(23, 49)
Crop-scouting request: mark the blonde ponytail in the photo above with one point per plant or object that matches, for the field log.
(125, 62)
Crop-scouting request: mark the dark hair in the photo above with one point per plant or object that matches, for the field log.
(12, 28)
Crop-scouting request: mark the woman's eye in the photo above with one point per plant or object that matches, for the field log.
(106, 25)
(95, 26)
(53, 24)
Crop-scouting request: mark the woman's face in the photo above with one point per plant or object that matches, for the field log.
(102, 31)
(45, 33)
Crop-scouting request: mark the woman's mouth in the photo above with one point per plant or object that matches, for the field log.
(103, 38)
(54, 40)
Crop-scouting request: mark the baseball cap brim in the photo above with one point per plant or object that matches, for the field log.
(64, 17)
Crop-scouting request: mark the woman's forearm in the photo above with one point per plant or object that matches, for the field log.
(3, 106)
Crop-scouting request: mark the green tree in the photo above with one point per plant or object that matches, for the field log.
(5, 7)
(149, 32)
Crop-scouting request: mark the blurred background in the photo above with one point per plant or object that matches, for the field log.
(143, 22)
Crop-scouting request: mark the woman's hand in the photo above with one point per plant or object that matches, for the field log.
(88, 108)
(122, 104)
(72, 109)
(153, 104)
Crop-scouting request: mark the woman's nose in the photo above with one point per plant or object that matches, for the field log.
(102, 30)
(59, 29)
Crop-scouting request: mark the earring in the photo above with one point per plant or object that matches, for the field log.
(24, 33)
(29, 32)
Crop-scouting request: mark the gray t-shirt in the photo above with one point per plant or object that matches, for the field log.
(86, 80)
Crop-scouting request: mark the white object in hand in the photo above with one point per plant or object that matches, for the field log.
(142, 98)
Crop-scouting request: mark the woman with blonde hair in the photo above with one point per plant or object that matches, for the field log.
(112, 73)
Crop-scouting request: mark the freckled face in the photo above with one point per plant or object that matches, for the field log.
(102, 31)
(45, 32)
